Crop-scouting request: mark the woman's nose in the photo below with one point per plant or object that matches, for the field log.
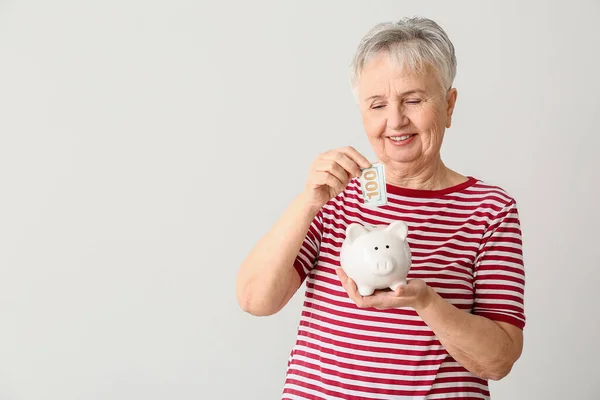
(396, 118)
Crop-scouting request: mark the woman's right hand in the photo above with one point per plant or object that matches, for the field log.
(330, 173)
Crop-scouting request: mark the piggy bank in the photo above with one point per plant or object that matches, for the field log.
(376, 257)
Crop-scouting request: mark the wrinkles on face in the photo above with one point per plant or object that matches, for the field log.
(394, 102)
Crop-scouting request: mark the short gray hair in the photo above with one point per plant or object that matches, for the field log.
(415, 43)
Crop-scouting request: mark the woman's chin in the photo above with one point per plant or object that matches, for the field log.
(401, 156)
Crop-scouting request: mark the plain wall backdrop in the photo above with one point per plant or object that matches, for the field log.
(145, 146)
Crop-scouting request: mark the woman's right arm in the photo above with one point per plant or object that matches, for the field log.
(267, 279)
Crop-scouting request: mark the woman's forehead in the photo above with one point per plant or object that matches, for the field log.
(385, 81)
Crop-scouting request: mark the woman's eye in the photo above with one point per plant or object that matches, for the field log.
(377, 106)
(413, 101)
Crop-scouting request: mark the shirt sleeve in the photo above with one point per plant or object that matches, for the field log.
(499, 276)
(307, 257)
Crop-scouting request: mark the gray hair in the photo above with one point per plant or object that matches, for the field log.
(414, 42)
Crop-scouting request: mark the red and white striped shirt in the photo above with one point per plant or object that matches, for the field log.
(465, 243)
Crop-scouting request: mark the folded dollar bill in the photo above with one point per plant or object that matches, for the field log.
(372, 183)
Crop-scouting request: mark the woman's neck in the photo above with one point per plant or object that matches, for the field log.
(434, 176)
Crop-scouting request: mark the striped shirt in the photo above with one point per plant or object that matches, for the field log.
(465, 243)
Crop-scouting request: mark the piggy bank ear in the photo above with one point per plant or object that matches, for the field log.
(354, 230)
(399, 229)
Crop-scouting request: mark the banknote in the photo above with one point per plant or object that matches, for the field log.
(372, 183)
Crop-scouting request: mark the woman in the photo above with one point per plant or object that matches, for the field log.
(458, 322)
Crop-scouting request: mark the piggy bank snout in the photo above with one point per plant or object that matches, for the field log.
(384, 266)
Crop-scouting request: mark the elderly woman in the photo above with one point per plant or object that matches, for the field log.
(458, 322)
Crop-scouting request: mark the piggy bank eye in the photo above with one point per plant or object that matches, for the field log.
(387, 246)
(376, 248)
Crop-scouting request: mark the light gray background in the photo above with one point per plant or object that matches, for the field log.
(147, 145)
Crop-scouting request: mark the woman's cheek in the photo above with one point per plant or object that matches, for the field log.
(374, 126)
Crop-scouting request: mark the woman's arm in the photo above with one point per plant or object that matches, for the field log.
(486, 348)
(267, 279)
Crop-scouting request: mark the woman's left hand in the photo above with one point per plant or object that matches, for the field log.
(416, 294)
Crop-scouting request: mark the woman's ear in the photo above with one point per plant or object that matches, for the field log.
(450, 103)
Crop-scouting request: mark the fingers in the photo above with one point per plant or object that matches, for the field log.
(349, 159)
(336, 159)
(334, 168)
(325, 178)
(412, 288)
(330, 174)
(380, 300)
(355, 156)
(400, 291)
(343, 164)
(352, 290)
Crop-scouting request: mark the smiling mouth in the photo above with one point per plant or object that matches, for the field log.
(401, 138)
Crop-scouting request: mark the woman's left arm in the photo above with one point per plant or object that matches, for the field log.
(484, 347)
(484, 341)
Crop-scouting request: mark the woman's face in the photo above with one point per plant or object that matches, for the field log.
(404, 114)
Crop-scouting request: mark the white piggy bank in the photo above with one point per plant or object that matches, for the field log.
(376, 257)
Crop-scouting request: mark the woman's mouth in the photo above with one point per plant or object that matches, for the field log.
(402, 140)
